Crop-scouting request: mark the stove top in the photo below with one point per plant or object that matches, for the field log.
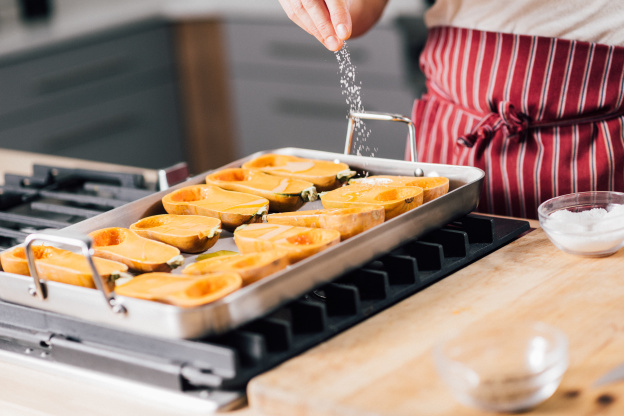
(213, 369)
(56, 197)
(217, 369)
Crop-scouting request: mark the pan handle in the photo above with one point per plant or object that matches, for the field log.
(84, 243)
(370, 115)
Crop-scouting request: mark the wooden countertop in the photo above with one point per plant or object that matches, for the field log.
(383, 366)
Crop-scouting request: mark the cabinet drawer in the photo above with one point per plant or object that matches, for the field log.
(274, 115)
(63, 70)
(283, 44)
(140, 129)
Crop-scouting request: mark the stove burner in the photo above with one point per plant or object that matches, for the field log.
(56, 197)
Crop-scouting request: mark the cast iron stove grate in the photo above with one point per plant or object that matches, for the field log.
(218, 368)
(55, 197)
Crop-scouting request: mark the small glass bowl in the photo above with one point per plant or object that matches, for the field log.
(586, 223)
(503, 368)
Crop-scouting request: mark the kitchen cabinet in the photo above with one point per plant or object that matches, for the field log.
(204, 89)
(109, 97)
(286, 87)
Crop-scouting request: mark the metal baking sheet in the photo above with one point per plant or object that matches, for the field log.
(266, 295)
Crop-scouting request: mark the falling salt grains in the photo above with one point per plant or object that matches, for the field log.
(352, 90)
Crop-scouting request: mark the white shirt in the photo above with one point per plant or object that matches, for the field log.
(600, 21)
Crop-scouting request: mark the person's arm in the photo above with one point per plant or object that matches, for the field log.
(333, 21)
(364, 15)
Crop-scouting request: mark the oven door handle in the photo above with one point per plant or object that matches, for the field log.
(372, 115)
(84, 243)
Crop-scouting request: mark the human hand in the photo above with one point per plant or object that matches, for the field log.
(329, 21)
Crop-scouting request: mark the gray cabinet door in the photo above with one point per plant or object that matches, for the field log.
(134, 130)
(111, 97)
(273, 115)
(47, 76)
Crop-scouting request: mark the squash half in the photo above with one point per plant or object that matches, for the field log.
(433, 187)
(325, 175)
(138, 253)
(60, 265)
(347, 221)
(189, 233)
(297, 242)
(232, 208)
(284, 194)
(395, 199)
(184, 291)
(251, 266)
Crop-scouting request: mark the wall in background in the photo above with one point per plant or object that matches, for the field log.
(150, 83)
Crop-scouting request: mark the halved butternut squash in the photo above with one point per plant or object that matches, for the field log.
(298, 242)
(251, 266)
(433, 187)
(325, 175)
(232, 208)
(138, 253)
(184, 291)
(284, 194)
(189, 233)
(395, 199)
(61, 265)
(348, 221)
(218, 253)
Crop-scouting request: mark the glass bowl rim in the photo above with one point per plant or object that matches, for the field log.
(544, 215)
(557, 352)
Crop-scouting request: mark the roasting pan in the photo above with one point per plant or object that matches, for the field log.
(266, 295)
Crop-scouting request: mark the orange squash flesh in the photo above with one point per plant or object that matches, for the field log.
(184, 291)
(348, 221)
(251, 266)
(284, 194)
(60, 265)
(433, 187)
(138, 253)
(232, 208)
(189, 233)
(298, 242)
(395, 200)
(325, 175)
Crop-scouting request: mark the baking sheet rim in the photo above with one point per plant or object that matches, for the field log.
(223, 315)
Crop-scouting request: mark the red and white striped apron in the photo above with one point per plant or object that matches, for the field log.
(541, 116)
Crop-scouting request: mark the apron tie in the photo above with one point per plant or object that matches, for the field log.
(513, 122)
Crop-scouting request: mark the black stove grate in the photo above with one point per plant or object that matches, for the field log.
(54, 197)
(226, 363)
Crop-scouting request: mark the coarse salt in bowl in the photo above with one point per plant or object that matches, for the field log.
(585, 223)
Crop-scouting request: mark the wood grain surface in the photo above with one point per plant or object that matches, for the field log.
(384, 365)
(205, 102)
